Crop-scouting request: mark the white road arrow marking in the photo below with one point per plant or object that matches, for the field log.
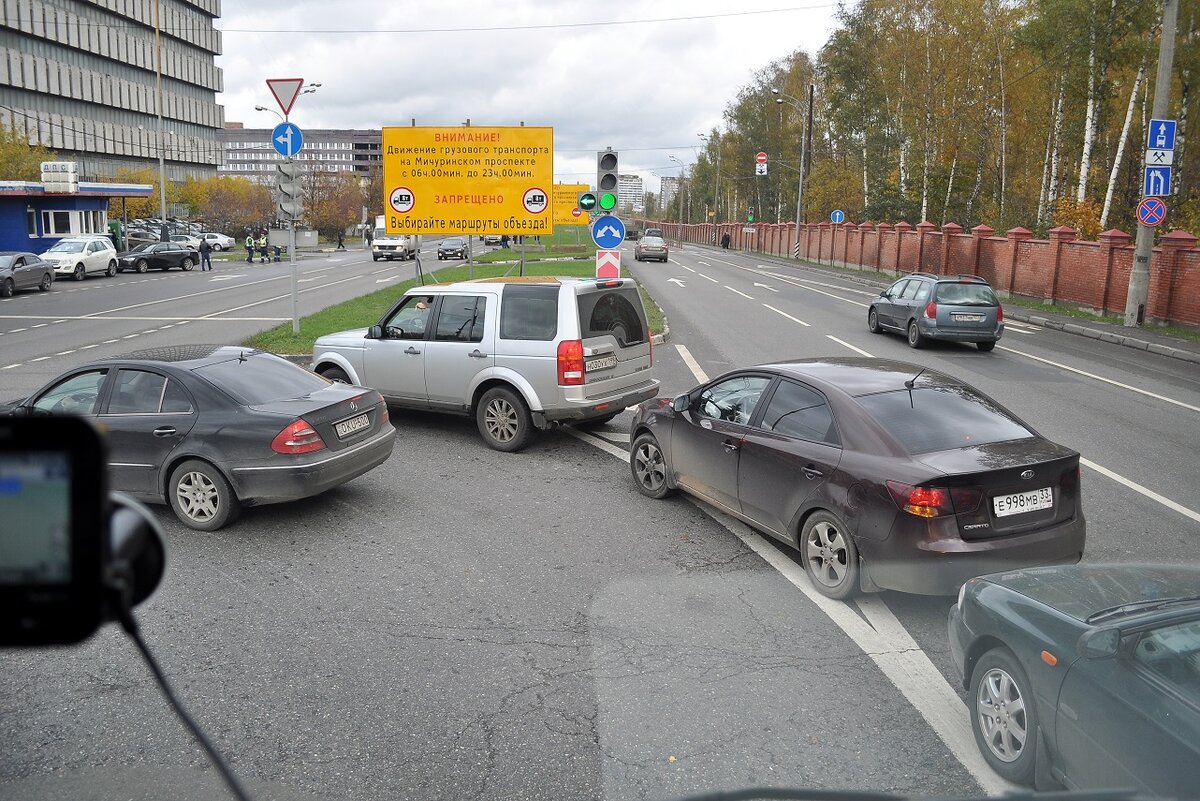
(766, 287)
(675, 281)
(385, 280)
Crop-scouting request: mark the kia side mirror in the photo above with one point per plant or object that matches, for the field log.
(681, 403)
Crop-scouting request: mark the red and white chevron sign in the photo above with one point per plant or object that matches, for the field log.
(608, 264)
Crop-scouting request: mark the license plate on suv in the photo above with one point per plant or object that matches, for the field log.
(603, 363)
(351, 426)
(967, 318)
(1015, 504)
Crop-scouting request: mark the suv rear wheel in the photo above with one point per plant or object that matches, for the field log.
(503, 420)
(986, 346)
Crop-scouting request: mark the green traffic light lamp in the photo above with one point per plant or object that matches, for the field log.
(608, 201)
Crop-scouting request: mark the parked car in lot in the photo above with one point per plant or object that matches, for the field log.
(187, 240)
(453, 247)
(518, 354)
(211, 429)
(22, 270)
(1086, 676)
(924, 306)
(77, 256)
(158, 255)
(651, 247)
(885, 475)
(219, 242)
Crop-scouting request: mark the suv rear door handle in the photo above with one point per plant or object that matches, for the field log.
(811, 472)
(477, 354)
(412, 350)
(164, 431)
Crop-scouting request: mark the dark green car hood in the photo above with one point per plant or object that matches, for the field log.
(1081, 590)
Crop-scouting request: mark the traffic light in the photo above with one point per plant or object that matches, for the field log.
(586, 201)
(606, 179)
(287, 175)
(750, 214)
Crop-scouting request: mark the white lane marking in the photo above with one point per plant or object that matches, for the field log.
(702, 275)
(109, 341)
(1008, 329)
(11, 366)
(175, 320)
(225, 277)
(39, 359)
(691, 362)
(17, 330)
(689, 269)
(40, 325)
(857, 350)
(743, 294)
(60, 321)
(881, 637)
(785, 314)
(613, 436)
(130, 336)
(704, 264)
(306, 280)
(1138, 390)
(1136, 487)
(677, 281)
(65, 352)
(767, 287)
(88, 347)
(787, 280)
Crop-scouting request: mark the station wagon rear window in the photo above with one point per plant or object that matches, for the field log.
(966, 295)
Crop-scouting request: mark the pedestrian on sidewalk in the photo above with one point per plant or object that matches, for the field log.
(205, 256)
(341, 245)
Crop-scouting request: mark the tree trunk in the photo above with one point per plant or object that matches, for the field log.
(1052, 193)
(866, 186)
(1089, 120)
(1003, 135)
(1116, 167)
(949, 188)
(926, 133)
(969, 216)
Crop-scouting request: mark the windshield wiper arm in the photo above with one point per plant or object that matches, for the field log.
(1139, 606)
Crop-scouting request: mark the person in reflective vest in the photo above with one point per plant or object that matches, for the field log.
(250, 248)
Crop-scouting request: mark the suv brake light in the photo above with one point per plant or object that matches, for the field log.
(570, 362)
(298, 437)
(931, 310)
(999, 313)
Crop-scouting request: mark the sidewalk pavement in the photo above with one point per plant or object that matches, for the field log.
(1146, 338)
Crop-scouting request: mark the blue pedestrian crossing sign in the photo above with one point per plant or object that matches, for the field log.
(838, 217)
(1157, 182)
(608, 232)
(1161, 135)
(287, 139)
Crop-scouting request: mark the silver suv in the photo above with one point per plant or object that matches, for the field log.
(518, 354)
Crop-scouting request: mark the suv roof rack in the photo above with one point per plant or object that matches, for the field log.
(970, 277)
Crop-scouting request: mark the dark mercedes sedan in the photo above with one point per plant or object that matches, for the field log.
(885, 475)
(210, 429)
(158, 256)
(1086, 676)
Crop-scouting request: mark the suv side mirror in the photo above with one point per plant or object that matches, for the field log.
(681, 403)
(375, 332)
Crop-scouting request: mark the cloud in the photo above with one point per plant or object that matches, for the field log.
(645, 89)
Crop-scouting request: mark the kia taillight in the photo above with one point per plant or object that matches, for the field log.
(934, 501)
(570, 362)
(931, 310)
(299, 437)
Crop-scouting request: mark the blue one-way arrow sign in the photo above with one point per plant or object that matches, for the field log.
(287, 139)
(1161, 135)
(1157, 182)
(608, 232)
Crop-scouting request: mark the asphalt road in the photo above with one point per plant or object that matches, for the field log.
(461, 623)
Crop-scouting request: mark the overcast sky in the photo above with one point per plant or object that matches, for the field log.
(645, 87)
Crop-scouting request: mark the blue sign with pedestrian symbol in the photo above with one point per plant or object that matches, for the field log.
(838, 216)
(608, 232)
(287, 139)
(1161, 135)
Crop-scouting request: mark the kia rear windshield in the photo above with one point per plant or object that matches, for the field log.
(261, 378)
(966, 295)
(929, 419)
(613, 312)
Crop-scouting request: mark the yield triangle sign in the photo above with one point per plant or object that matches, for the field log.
(285, 91)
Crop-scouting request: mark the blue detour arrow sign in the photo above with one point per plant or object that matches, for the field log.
(608, 232)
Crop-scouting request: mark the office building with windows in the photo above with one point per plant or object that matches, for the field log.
(630, 194)
(248, 152)
(81, 78)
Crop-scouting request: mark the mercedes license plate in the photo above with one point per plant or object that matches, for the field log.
(348, 427)
(967, 318)
(603, 363)
(1020, 502)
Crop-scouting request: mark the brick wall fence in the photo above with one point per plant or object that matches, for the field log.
(1060, 269)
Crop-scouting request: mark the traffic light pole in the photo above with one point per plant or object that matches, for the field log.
(295, 282)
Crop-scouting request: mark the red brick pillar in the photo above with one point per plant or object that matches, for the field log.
(1015, 237)
(949, 231)
(847, 229)
(1109, 240)
(880, 234)
(902, 228)
(980, 233)
(1163, 272)
(923, 228)
(1058, 236)
(821, 230)
(863, 230)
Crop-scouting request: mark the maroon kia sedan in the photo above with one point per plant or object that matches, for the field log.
(885, 475)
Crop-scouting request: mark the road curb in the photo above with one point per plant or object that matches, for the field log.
(1021, 316)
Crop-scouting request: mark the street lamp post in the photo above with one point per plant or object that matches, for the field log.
(717, 190)
(794, 103)
(679, 189)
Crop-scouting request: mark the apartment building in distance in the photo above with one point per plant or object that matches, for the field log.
(248, 152)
